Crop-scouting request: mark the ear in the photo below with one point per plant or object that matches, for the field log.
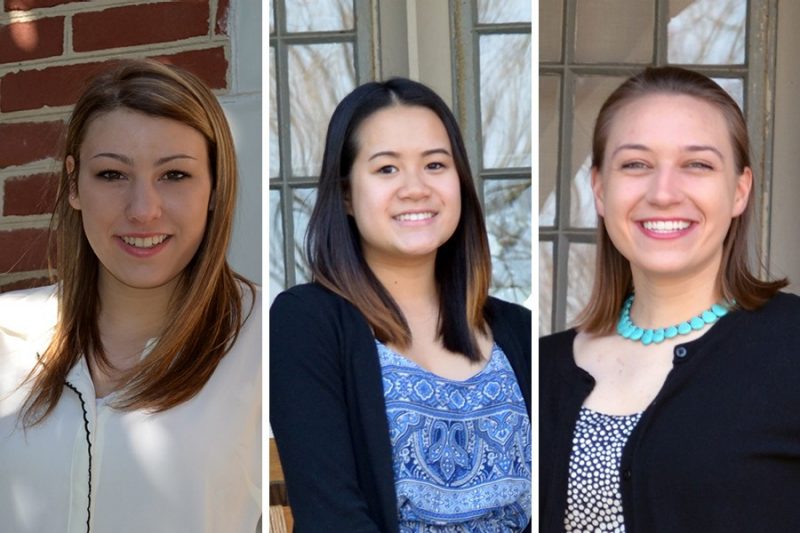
(597, 190)
(742, 193)
(211, 200)
(74, 200)
(348, 205)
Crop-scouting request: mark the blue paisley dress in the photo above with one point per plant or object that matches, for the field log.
(461, 449)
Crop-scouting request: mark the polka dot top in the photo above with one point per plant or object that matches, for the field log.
(594, 501)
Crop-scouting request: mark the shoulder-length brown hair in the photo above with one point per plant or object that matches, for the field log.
(333, 244)
(613, 281)
(206, 307)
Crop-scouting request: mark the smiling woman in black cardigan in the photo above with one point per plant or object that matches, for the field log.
(399, 390)
(674, 404)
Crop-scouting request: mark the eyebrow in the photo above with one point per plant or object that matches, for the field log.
(426, 153)
(128, 161)
(689, 148)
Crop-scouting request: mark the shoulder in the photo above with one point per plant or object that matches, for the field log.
(781, 304)
(307, 294)
(558, 342)
(312, 310)
(28, 312)
(502, 311)
(773, 320)
(310, 301)
(251, 313)
(557, 347)
(251, 295)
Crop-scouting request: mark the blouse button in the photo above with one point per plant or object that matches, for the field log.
(681, 352)
(626, 475)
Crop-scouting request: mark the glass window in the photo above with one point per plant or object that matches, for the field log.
(313, 50)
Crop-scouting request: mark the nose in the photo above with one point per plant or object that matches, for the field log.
(144, 201)
(664, 188)
(414, 185)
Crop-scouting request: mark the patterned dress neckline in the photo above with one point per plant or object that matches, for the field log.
(461, 449)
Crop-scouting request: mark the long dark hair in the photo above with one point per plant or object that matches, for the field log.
(333, 245)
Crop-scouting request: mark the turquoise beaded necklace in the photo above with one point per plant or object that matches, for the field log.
(627, 329)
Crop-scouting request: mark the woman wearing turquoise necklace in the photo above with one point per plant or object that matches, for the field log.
(674, 404)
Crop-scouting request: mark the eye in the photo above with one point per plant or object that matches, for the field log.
(387, 169)
(634, 165)
(702, 165)
(436, 165)
(110, 175)
(175, 175)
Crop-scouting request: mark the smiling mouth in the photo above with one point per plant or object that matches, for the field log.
(415, 217)
(144, 242)
(665, 226)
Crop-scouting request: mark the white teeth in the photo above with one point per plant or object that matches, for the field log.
(414, 216)
(146, 242)
(666, 226)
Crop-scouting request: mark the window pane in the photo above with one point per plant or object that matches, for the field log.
(590, 93)
(580, 276)
(703, 32)
(629, 39)
(276, 263)
(550, 26)
(549, 117)
(508, 222)
(494, 11)
(271, 17)
(319, 15)
(505, 63)
(734, 87)
(319, 76)
(274, 151)
(303, 203)
(545, 288)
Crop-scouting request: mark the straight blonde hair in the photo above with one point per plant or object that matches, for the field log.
(207, 304)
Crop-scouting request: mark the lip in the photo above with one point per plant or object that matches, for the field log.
(666, 228)
(141, 252)
(420, 217)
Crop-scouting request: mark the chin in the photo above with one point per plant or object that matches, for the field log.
(144, 281)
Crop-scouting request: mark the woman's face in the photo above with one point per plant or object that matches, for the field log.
(405, 194)
(669, 186)
(143, 189)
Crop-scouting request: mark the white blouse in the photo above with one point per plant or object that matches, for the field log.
(90, 467)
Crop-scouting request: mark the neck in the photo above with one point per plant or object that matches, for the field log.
(131, 316)
(661, 302)
(411, 283)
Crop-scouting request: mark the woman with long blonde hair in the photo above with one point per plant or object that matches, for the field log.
(130, 389)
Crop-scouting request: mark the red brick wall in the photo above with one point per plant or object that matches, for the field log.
(48, 49)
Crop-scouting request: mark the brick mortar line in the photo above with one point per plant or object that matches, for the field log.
(40, 166)
(41, 114)
(12, 277)
(72, 8)
(67, 49)
(15, 222)
(70, 58)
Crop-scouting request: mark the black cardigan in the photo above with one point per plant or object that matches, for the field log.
(718, 450)
(327, 408)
